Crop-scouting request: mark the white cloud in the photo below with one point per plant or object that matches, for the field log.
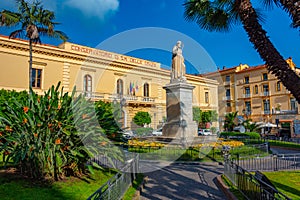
(95, 8)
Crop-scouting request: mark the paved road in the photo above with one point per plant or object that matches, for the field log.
(276, 150)
(183, 181)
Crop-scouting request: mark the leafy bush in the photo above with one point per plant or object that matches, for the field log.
(143, 131)
(141, 118)
(51, 135)
(251, 135)
(108, 121)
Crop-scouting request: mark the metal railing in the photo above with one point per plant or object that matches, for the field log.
(248, 184)
(106, 96)
(270, 163)
(116, 187)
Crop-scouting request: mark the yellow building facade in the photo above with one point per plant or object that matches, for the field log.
(256, 94)
(100, 75)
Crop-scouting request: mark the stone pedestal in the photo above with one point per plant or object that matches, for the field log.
(180, 124)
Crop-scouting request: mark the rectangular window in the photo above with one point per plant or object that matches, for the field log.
(227, 78)
(36, 78)
(247, 92)
(248, 107)
(294, 105)
(228, 94)
(206, 97)
(266, 107)
(266, 90)
(246, 79)
(265, 76)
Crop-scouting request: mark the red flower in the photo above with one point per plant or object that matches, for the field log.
(7, 128)
(84, 116)
(25, 109)
(57, 141)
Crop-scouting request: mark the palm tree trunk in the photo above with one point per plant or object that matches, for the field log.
(275, 62)
(293, 8)
(30, 64)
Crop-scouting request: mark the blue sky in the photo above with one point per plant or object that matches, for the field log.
(93, 22)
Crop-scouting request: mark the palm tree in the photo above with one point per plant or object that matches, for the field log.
(34, 21)
(220, 15)
(230, 121)
(292, 7)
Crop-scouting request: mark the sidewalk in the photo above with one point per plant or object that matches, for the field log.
(184, 181)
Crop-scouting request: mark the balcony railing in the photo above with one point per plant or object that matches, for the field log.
(226, 82)
(96, 96)
(285, 112)
(227, 98)
(265, 93)
(247, 95)
(266, 112)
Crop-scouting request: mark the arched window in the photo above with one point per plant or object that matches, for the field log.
(87, 85)
(256, 89)
(278, 86)
(120, 86)
(146, 90)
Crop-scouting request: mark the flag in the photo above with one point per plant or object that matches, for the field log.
(130, 87)
(136, 87)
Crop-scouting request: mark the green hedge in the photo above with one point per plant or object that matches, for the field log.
(251, 135)
(143, 131)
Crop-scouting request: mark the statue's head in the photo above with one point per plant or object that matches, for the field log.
(178, 43)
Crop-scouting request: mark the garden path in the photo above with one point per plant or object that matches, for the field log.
(183, 181)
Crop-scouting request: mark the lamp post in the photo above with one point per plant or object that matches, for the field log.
(225, 151)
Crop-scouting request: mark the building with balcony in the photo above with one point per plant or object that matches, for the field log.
(100, 75)
(255, 94)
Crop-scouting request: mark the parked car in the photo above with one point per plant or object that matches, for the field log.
(128, 134)
(157, 132)
(204, 132)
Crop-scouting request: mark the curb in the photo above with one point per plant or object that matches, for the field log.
(225, 188)
(140, 189)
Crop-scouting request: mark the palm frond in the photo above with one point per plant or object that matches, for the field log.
(8, 18)
(269, 4)
(17, 34)
(210, 15)
(55, 34)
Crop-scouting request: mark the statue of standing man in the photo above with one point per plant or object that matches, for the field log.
(178, 66)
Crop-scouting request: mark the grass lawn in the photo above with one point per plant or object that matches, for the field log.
(13, 186)
(287, 182)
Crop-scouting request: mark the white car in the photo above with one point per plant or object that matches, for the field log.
(157, 132)
(204, 132)
(128, 135)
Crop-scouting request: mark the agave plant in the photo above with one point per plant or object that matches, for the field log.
(51, 135)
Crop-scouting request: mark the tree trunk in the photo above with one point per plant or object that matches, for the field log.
(293, 8)
(30, 64)
(276, 64)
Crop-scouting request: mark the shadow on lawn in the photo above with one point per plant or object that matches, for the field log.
(287, 188)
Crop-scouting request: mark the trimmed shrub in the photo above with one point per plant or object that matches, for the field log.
(250, 135)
